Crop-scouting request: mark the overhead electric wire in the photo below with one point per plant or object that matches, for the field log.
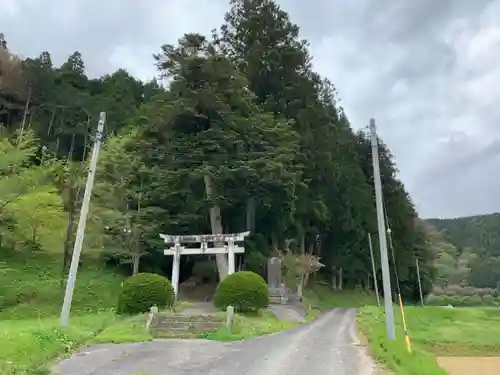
(393, 253)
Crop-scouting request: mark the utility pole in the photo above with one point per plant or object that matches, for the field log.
(25, 115)
(384, 259)
(373, 268)
(419, 283)
(68, 296)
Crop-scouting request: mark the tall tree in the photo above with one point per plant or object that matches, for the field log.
(121, 199)
(217, 133)
(261, 39)
(3, 42)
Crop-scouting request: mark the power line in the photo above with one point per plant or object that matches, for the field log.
(373, 269)
(389, 233)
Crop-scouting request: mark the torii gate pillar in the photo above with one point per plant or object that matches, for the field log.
(230, 248)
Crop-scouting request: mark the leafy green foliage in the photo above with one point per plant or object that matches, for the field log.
(472, 256)
(244, 290)
(244, 116)
(479, 233)
(466, 300)
(256, 262)
(30, 207)
(144, 290)
(121, 215)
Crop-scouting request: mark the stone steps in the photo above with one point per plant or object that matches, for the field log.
(275, 297)
(185, 323)
(276, 300)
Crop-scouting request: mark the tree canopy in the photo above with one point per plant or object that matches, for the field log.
(245, 136)
(469, 253)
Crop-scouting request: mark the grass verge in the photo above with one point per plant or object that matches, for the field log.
(30, 287)
(247, 326)
(322, 296)
(27, 345)
(30, 302)
(434, 331)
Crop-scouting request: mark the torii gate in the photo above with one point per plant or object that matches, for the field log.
(230, 248)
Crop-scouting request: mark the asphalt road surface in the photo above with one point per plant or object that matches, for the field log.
(328, 346)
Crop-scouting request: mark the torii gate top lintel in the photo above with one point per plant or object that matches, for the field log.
(203, 239)
(197, 238)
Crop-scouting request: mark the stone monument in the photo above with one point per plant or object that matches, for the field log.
(274, 273)
(277, 290)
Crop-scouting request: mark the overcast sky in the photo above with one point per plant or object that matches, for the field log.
(428, 71)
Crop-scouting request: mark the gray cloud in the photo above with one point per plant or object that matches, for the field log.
(427, 70)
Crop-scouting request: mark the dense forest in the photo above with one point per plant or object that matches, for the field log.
(245, 136)
(469, 251)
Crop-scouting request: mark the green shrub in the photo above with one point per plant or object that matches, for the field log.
(467, 301)
(245, 291)
(434, 300)
(476, 300)
(144, 290)
(489, 300)
(256, 262)
(449, 300)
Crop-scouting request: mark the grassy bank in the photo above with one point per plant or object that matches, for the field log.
(30, 287)
(30, 302)
(321, 296)
(27, 345)
(434, 331)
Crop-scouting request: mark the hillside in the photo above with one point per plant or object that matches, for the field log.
(469, 250)
(259, 152)
(480, 233)
(30, 286)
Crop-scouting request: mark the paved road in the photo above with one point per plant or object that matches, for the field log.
(327, 346)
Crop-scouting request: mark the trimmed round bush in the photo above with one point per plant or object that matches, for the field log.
(246, 291)
(144, 290)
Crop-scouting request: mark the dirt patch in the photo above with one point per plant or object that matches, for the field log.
(470, 365)
(198, 308)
